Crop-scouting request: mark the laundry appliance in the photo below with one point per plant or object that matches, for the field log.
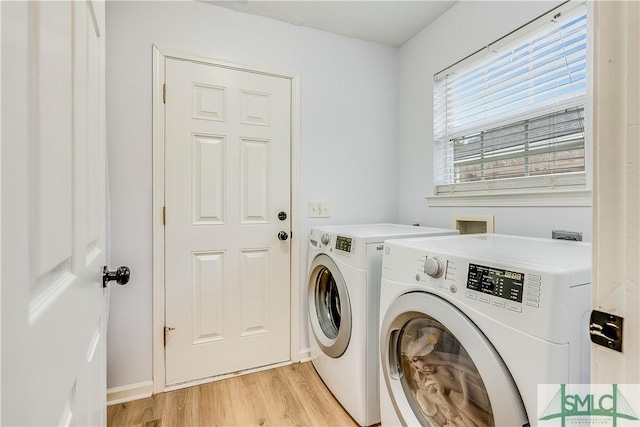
(343, 294)
(471, 324)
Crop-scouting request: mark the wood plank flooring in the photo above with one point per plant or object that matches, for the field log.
(292, 395)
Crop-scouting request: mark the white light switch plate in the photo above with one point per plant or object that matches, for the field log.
(319, 210)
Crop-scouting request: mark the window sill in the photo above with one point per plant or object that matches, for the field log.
(512, 198)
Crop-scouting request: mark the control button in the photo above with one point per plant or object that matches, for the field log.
(533, 288)
(498, 303)
(533, 299)
(515, 307)
(471, 295)
(484, 298)
(534, 277)
(417, 277)
(453, 289)
(533, 304)
(433, 267)
(325, 239)
(533, 294)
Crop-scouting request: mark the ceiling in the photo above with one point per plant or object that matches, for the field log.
(387, 22)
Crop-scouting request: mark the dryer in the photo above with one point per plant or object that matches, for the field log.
(471, 324)
(343, 300)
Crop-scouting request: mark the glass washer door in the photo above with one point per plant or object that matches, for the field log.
(329, 307)
(440, 370)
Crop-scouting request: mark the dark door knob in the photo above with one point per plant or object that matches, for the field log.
(282, 216)
(283, 235)
(121, 275)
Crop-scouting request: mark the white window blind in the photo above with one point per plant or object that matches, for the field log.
(512, 115)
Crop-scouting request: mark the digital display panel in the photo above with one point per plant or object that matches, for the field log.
(494, 281)
(343, 243)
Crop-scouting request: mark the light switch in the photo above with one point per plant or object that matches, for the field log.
(324, 210)
(314, 210)
(319, 210)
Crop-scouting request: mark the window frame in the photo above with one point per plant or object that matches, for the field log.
(564, 189)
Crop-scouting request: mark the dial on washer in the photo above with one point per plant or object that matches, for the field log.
(433, 267)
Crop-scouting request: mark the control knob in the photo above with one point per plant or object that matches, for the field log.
(325, 239)
(433, 267)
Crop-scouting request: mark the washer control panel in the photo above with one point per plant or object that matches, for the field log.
(344, 243)
(496, 282)
(497, 287)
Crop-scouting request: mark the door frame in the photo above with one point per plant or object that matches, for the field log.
(160, 55)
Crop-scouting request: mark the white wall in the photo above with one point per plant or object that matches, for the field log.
(348, 147)
(460, 31)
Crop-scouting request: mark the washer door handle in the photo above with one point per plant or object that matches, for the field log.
(283, 235)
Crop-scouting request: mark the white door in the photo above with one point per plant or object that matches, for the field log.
(227, 178)
(53, 220)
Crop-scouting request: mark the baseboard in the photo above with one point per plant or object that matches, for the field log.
(305, 355)
(129, 392)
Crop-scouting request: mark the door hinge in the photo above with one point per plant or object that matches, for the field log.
(164, 215)
(164, 93)
(166, 331)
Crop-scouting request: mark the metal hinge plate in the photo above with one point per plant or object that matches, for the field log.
(164, 93)
(166, 331)
(605, 329)
(164, 215)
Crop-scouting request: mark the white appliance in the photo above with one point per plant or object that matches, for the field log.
(471, 324)
(343, 293)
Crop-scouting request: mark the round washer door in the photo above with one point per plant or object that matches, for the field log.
(440, 369)
(329, 306)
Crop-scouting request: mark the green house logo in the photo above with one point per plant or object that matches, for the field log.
(587, 408)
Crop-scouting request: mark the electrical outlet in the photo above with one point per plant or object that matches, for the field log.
(566, 235)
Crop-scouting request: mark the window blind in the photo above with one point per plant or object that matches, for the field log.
(517, 110)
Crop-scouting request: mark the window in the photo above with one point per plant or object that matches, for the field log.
(510, 118)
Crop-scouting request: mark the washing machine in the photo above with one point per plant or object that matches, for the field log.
(471, 324)
(343, 296)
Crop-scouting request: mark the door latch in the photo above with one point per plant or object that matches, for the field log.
(606, 330)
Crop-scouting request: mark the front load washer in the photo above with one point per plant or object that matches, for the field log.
(471, 324)
(343, 295)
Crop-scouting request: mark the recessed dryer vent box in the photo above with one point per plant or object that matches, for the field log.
(473, 224)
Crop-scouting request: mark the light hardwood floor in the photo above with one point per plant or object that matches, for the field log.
(292, 395)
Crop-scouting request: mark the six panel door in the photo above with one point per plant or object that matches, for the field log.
(227, 177)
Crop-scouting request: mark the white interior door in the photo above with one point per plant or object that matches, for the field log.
(53, 234)
(227, 178)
